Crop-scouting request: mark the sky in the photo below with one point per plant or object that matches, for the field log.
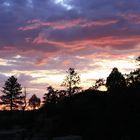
(41, 39)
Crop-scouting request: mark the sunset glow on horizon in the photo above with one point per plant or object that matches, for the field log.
(40, 40)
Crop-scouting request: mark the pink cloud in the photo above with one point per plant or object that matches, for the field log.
(108, 47)
(131, 17)
(41, 61)
(97, 42)
(29, 27)
(66, 62)
(101, 22)
(41, 39)
(34, 24)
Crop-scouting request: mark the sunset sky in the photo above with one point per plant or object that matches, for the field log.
(41, 39)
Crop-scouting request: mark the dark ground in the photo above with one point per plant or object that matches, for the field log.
(93, 115)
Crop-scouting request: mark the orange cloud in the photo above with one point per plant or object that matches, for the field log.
(66, 62)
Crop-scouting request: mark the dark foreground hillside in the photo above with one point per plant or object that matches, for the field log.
(99, 115)
(90, 115)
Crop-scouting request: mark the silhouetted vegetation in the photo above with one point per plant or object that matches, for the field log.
(50, 96)
(92, 114)
(12, 97)
(34, 102)
(115, 81)
(71, 81)
(138, 58)
(98, 83)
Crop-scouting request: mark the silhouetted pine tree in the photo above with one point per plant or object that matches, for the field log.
(115, 80)
(34, 101)
(50, 96)
(12, 94)
(71, 81)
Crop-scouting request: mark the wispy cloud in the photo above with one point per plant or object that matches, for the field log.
(49, 35)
